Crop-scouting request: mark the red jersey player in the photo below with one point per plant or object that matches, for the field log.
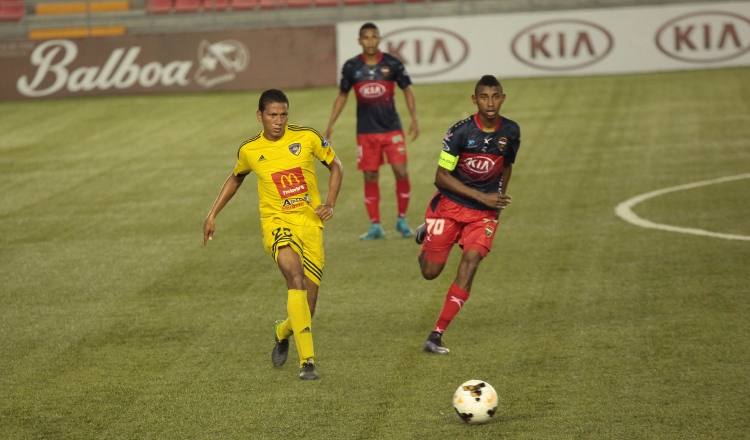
(472, 176)
(374, 76)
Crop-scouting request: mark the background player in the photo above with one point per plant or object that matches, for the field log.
(291, 214)
(472, 177)
(373, 75)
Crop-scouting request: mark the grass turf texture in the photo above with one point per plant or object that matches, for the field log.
(117, 323)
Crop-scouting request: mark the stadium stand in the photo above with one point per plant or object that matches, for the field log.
(12, 10)
(81, 7)
(183, 6)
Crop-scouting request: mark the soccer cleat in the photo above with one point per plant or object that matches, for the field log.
(421, 232)
(308, 371)
(281, 349)
(403, 228)
(434, 344)
(376, 231)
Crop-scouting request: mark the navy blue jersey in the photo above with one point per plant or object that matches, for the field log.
(481, 156)
(374, 87)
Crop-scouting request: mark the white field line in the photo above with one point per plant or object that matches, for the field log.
(624, 211)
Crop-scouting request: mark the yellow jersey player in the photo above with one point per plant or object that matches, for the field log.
(291, 214)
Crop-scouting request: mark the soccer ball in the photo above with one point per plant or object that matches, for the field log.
(475, 401)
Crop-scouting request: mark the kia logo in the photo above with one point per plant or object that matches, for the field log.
(372, 90)
(427, 51)
(562, 44)
(705, 37)
(480, 165)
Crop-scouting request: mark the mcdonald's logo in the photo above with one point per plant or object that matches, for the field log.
(290, 182)
(287, 179)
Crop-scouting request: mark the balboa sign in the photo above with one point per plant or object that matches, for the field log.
(705, 37)
(562, 44)
(426, 51)
(168, 63)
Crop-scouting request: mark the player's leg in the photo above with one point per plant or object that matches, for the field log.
(395, 152)
(476, 237)
(369, 160)
(291, 267)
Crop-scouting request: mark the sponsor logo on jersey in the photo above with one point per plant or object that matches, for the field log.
(290, 182)
(295, 148)
(567, 44)
(295, 202)
(705, 37)
(261, 158)
(372, 90)
(479, 164)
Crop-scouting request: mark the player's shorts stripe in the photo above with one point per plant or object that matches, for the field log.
(315, 270)
(285, 241)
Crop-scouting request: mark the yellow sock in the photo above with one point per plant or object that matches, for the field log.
(284, 330)
(299, 316)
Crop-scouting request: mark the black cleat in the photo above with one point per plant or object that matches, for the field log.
(308, 371)
(281, 349)
(434, 344)
(421, 232)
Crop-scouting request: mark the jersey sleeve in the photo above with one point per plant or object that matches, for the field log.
(514, 144)
(242, 166)
(452, 143)
(400, 75)
(321, 149)
(346, 77)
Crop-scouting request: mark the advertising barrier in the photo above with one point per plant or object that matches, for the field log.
(188, 62)
(578, 42)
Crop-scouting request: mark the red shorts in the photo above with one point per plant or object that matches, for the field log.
(370, 149)
(450, 223)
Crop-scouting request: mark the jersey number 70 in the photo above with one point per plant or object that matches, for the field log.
(435, 226)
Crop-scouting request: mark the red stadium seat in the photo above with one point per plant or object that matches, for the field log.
(244, 5)
(11, 10)
(355, 2)
(321, 3)
(380, 2)
(269, 4)
(187, 5)
(216, 5)
(159, 6)
(299, 3)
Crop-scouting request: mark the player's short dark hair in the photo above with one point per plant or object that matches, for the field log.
(368, 25)
(270, 96)
(487, 81)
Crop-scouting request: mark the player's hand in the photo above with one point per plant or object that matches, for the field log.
(327, 134)
(325, 212)
(414, 130)
(496, 201)
(209, 226)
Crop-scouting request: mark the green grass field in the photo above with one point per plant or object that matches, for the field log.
(116, 322)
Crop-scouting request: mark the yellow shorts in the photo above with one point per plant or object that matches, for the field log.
(306, 241)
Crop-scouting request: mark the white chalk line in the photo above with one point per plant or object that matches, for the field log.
(624, 209)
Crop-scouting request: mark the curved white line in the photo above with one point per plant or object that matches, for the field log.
(623, 210)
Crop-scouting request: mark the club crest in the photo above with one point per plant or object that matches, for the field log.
(385, 71)
(501, 143)
(295, 148)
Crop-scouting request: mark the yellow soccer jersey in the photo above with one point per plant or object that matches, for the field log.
(287, 183)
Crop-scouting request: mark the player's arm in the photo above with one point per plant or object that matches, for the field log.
(225, 195)
(445, 180)
(411, 104)
(325, 211)
(338, 106)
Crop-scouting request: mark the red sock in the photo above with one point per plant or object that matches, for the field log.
(372, 201)
(403, 193)
(454, 300)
